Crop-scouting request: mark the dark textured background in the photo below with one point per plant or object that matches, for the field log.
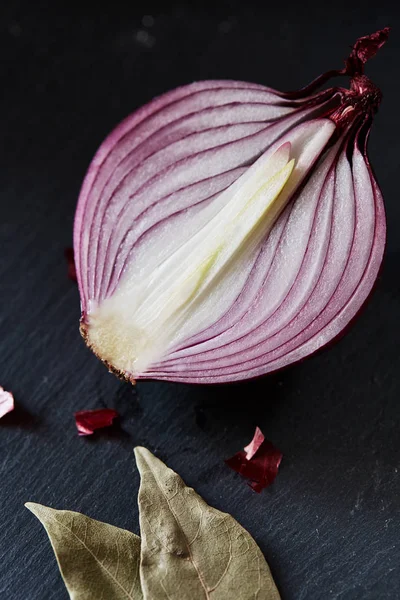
(329, 526)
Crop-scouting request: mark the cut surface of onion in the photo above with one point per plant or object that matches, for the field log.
(226, 230)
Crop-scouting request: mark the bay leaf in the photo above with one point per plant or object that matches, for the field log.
(97, 561)
(191, 551)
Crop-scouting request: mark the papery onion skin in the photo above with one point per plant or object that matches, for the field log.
(259, 462)
(6, 402)
(165, 163)
(88, 421)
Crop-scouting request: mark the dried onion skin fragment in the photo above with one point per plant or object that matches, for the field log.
(88, 421)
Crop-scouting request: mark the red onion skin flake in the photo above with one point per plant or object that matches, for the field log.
(87, 421)
(6, 402)
(259, 462)
(227, 230)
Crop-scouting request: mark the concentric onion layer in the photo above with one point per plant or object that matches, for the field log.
(310, 290)
(156, 178)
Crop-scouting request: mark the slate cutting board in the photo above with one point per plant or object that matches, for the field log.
(329, 526)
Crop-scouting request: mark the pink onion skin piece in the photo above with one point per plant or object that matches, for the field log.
(6, 402)
(170, 160)
(88, 421)
(259, 462)
(255, 444)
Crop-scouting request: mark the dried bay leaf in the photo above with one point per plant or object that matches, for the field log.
(188, 551)
(191, 551)
(97, 561)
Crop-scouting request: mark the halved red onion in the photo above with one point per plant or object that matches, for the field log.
(226, 230)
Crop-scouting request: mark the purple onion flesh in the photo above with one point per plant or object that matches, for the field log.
(226, 230)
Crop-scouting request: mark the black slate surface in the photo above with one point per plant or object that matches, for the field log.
(329, 526)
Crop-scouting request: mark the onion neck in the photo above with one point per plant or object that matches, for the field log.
(361, 100)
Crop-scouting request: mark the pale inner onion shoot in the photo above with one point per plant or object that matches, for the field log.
(193, 286)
